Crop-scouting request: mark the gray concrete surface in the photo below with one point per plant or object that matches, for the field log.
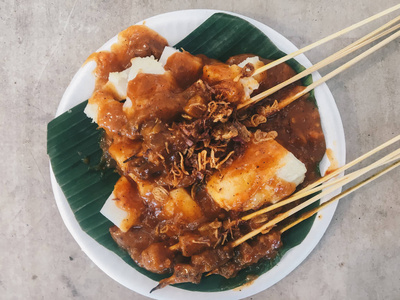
(42, 45)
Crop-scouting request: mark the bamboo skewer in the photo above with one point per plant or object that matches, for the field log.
(369, 38)
(338, 182)
(326, 39)
(344, 67)
(338, 197)
(352, 163)
(283, 216)
(374, 33)
(385, 160)
(338, 55)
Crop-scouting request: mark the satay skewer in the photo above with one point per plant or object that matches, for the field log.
(328, 38)
(315, 188)
(264, 228)
(312, 212)
(369, 38)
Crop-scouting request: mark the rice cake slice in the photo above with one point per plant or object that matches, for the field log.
(266, 173)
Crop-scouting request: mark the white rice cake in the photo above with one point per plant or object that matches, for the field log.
(118, 81)
(266, 173)
(124, 206)
(115, 214)
(178, 205)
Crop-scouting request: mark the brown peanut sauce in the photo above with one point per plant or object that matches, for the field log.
(299, 131)
(135, 41)
(158, 143)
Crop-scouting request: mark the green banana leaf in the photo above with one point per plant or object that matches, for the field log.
(74, 151)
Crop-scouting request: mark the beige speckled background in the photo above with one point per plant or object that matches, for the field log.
(43, 43)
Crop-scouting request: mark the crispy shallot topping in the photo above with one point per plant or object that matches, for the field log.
(219, 111)
(160, 194)
(255, 120)
(268, 110)
(261, 136)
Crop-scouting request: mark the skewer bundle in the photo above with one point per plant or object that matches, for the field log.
(386, 29)
(325, 186)
(328, 183)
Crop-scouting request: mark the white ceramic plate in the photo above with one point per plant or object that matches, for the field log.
(174, 27)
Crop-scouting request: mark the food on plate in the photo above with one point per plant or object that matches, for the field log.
(191, 163)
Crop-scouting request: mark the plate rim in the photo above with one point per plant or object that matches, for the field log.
(289, 261)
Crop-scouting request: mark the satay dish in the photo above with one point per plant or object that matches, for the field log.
(191, 164)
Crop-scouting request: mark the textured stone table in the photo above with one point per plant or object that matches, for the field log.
(43, 43)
